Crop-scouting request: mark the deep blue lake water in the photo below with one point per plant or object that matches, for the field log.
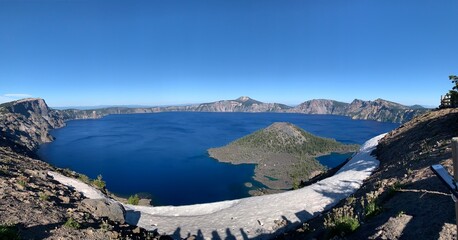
(165, 154)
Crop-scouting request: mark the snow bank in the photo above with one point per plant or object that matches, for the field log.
(86, 190)
(251, 217)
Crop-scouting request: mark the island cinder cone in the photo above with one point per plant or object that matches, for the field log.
(284, 154)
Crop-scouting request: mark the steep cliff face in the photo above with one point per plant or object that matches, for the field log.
(321, 106)
(27, 122)
(378, 110)
(382, 110)
(241, 104)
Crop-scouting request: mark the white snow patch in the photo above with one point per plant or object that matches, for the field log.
(86, 190)
(251, 217)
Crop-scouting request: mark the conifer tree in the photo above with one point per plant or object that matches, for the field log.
(454, 92)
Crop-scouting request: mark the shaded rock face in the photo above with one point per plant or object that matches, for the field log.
(35, 109)
(27, 107)
(27, 122)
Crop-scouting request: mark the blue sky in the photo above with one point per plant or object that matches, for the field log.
(79, 53)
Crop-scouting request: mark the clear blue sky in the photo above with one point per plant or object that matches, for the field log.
(91, 52)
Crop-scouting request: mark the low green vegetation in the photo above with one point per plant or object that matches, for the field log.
(351, 200)
(84, 178)
(72, 223)
(400, 213)
(394, 188)
(300, 143)
(105, 226)
(371, 209)
(134, 199)
(43, 196)
(99, 183)
(370, 205)
(9, 232)
(302, 170)
(341, 221)
(22, 181)
(296, 183)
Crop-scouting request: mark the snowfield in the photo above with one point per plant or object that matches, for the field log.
(261, 216)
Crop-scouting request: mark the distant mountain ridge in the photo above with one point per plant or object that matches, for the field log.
(241, 104)
(378, 110)
(29, 110)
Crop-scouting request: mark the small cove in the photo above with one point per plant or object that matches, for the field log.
(165, 154)
(334, 159)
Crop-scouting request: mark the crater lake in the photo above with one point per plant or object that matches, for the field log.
(164, 155)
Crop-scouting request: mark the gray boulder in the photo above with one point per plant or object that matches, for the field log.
(104, 208)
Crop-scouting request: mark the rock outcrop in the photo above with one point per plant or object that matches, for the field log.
(104, 208)
(27, 122)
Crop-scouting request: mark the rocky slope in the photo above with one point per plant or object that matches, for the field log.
(378, 110)
(34, 206)
(283, 153)
(403, 199)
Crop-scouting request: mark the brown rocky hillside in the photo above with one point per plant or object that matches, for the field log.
(403, 199)
(34, 206)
